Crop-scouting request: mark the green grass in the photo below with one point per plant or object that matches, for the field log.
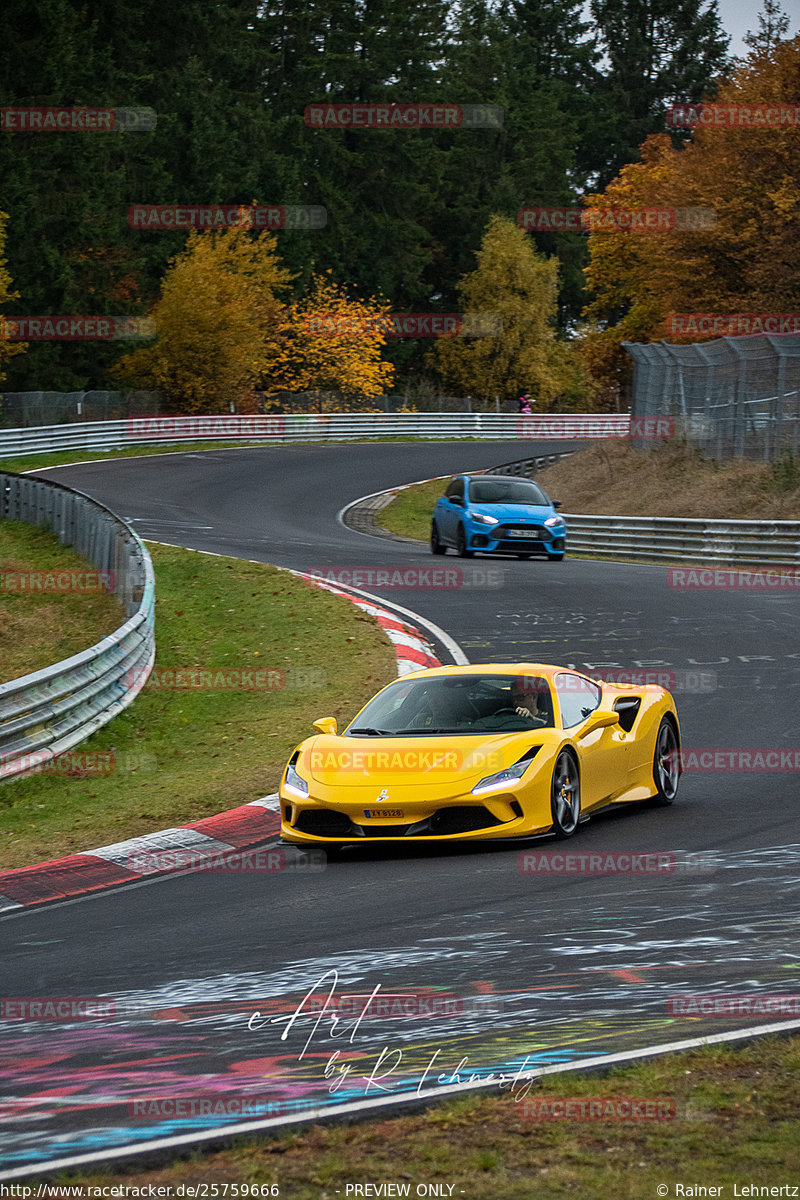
(736, 1123)
(409, 514)
(182, 755)
(38, 628)
(40, 462)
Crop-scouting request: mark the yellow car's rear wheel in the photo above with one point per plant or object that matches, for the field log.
(565, 801)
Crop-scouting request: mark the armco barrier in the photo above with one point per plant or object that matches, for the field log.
(48, 712)
(682, 540)
(311, 427)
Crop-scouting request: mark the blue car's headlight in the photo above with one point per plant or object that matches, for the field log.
(484, 519)
(554, 522)
(294, 783)
(507, 777)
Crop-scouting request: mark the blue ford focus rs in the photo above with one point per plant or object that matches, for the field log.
(497, 514)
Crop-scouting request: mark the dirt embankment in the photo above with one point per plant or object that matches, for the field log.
(672, 481)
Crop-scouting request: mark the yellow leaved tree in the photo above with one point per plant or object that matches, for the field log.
(8, 348)
(329, 345)
(749, 176)
(519, 288)
(214, 322)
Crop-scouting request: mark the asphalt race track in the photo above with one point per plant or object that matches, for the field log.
(491, 969)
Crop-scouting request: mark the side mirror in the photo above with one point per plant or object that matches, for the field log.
(457, 500)
(326, 725)
(556, 503)
(599, 719)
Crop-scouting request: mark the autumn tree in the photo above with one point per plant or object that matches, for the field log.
(214, 322)
(7, 348)
(519, 287)
(749, 176)
(329, 343)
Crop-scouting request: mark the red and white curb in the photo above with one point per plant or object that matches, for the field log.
(213, 838)
(412, 651)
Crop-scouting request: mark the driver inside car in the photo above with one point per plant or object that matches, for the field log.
(530, 699)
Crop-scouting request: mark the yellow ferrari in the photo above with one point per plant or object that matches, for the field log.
(478, 752)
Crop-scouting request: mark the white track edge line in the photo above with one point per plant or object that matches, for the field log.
(356, 1107)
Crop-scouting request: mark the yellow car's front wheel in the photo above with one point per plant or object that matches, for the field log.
(666, 763)
(565, 795)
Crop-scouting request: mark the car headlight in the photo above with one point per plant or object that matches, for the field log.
(294, 783)
(507, 777)
(554, 521)
(484, 519)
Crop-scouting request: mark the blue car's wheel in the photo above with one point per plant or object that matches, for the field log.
(437, 547)
(461, 544)
(555, 557)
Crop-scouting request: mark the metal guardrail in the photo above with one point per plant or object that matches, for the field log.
(682, 540)
(525, 466)
(46, 713)
(305, 427)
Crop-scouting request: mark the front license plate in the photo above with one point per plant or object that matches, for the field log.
(523, 533)
(384, 812)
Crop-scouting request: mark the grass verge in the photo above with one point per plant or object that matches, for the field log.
(735, 1123)
(40, 462)
(38, 628)
(409, 514)
(179, 755)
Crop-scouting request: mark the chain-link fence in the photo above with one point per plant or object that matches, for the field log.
(733, 397)
(25, 410)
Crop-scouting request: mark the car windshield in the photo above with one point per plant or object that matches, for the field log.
(457, 704)
(506, 491)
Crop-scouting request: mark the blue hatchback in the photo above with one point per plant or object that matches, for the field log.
(497, 514)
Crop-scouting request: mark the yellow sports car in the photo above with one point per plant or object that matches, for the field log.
(478, 752)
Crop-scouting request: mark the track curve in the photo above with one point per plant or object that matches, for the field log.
(548, 968)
